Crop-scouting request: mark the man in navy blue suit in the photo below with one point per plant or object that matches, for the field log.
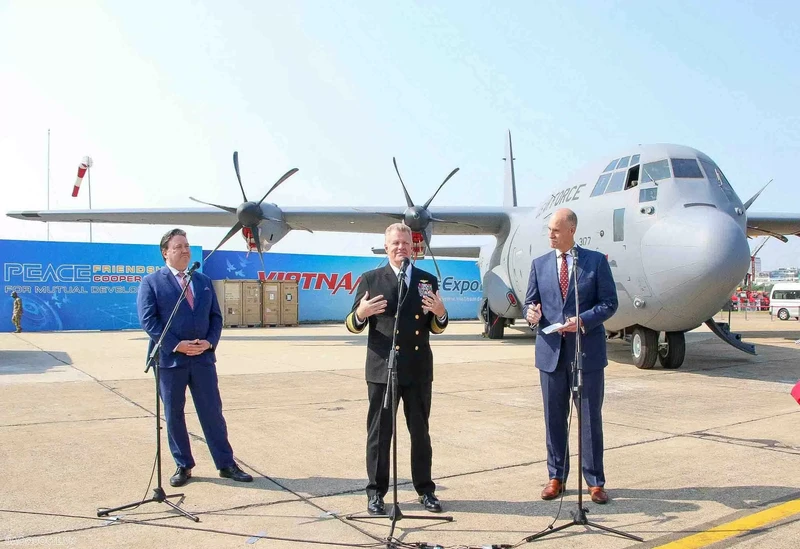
(550, 300)
(187, 356)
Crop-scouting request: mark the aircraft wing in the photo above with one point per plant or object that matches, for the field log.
(198, 217)
(457, 221)
(773, 224)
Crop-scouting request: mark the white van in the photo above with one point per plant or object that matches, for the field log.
(784, 300)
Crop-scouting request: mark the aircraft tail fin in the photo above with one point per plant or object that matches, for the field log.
(509, 182)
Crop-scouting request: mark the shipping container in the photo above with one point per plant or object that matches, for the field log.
(251, 303)
(229, 295)
(271, 303)
(289, 303)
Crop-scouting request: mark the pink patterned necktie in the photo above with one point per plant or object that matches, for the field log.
(189, 294)
(563, 276)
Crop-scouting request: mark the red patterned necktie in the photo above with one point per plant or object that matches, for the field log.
(563, 276)
(189, 294)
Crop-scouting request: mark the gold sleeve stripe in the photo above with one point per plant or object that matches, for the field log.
(350, 323)
(437, 328)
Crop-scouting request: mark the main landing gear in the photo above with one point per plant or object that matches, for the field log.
(647, 347)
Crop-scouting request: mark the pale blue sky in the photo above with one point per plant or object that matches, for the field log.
(161, 93)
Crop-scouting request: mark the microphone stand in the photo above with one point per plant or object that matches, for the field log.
(159, 496)
(391, 388)
(579, 514)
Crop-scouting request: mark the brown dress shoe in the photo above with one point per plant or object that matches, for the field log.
(553, 489)
(599, 495)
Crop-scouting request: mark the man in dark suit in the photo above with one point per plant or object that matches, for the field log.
(421, 312)
(551, 299)
(187, 356)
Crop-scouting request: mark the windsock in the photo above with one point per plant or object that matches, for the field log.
(85, 164)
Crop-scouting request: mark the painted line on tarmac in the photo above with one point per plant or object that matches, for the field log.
(736, 527)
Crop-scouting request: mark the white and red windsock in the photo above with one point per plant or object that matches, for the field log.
(85, 164)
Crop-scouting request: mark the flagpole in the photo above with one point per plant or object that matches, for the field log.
(48, 181)
(89, 175)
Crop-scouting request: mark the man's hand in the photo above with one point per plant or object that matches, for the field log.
(534, 314)
(368, 307)
(432, 303)
(193, 347)
(569, 326)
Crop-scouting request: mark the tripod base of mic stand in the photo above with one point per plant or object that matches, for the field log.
(579, 519)
(395, 515)
(158, 497)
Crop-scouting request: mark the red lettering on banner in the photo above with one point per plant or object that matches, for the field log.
(329, 280)
(307, 278)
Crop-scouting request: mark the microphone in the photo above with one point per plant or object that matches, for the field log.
(575, 252)
(194, 267)
(404, 266)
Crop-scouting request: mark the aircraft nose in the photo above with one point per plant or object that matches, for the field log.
(693, 260)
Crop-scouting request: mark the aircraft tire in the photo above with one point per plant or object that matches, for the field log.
(672, 356)
(644, 347)
(783, 314)
(492, 324)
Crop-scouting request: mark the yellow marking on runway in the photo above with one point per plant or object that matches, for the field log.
(736, 527)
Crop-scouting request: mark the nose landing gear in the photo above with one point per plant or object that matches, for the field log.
(646, 348)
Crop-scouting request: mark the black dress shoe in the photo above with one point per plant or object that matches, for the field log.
(375, 505)
(235, 473)
(430, 502)
(181, 477)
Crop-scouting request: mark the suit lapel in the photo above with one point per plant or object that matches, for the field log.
(551, 267)
(582, 260)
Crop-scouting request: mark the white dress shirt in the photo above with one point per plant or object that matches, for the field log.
(570, 260)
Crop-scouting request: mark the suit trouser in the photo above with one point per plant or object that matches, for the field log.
(556, 391)
(202, 382)
(417, 408)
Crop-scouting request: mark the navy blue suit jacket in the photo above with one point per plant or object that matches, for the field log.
(157, 296)
(598, 302)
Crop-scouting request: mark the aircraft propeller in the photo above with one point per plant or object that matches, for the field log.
(249, 213)
(417, 218)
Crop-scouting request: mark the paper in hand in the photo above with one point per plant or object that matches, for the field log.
(552, 328)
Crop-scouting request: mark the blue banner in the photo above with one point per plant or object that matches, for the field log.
(327, 283)
(85, 286)
(75, 285)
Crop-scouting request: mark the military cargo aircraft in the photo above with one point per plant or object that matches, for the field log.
(673, 228)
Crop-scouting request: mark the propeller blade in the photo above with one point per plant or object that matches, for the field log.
(285, 176)
(257, 238)
(398, 217)
(436, 219)
(446, 179)
(753, 199)
(405, 192)
(239, 177)
(226, 208)
(235, 229)
(435, 264)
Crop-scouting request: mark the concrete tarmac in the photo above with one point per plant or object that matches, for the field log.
(711, 449)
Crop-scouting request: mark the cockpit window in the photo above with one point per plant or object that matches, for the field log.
(655, 171)
(715, 176)
(600, 186)
(617, 182)
(686, 167)
(611, 165)
(634, 159)
(623, 162)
